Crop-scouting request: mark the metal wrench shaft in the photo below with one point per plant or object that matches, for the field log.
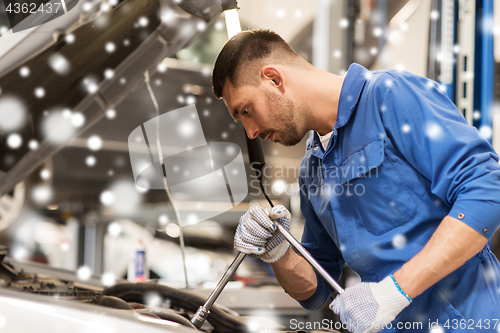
(203, 311)
(303, 252)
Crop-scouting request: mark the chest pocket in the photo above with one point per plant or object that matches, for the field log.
(374, 189)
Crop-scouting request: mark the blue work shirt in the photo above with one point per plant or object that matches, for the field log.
(401, 157)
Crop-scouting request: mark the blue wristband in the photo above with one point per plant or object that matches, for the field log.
(399, 288)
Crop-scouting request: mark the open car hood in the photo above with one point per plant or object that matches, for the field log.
(85, 62)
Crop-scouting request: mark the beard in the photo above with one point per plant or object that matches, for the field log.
(285, 117)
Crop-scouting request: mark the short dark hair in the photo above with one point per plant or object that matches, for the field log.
(240, 50)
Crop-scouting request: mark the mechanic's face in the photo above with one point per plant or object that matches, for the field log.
(263, 113)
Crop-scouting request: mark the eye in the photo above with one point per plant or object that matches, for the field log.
(245, 111)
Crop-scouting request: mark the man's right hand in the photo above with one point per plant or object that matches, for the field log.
(257, 233)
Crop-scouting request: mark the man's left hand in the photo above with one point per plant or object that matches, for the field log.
(370, 307)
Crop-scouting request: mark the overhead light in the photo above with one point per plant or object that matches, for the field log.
(230, 10)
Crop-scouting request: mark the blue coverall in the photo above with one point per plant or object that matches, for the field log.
(401, 158)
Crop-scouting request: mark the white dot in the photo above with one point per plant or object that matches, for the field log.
(158, 82)
(107, 198)
(108, 279)
(278, 187)
(399, 241)
(111, 173)
(33, 144)
(94, 142)
(105, 7)
(343, 23)
(377, 32)
(486, 132)
(110, 47)
(162, 68)
(192, 218)
(406, 128)
(41, 194)
(208, 100)
(123, 80)
(59, 64)
(388, 83)
(224, 135)
(84, 273)
(456, 48)
(373, 51)
(70, 38)
(14, 141)
(219, 25)
(12, 114)
(163, 219)
(65, 247)
(442, 88)
(77, 119)
(190, 100)
(206, 71)
(186, 129)
(45, 174)
(436, 329)
(24, 71)
(230, 150)
(110, 114)
(281, 13)
(434, 15)
(206, 113)
(126, 42)
(298, 13)
(404, 27)
(39, 92)
(109, 73)
(66, 113)
(3, 29)
(434, 131)
(91, 86)
(400, 67)
(476, 115)
(429, 84)
(143, 21)
(172, 230)
(114, 229)
(87, 6)
(337, 54)
(200, 26)
(90, 161)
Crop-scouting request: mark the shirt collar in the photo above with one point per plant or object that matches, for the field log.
(352, 87)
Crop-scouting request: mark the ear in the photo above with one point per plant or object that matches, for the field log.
(274, 77)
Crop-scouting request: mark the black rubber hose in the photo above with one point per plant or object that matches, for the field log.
(112, 302)
(167, 315)
(222, 321)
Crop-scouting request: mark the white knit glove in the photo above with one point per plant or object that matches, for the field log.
(369, 307)
(257, 233)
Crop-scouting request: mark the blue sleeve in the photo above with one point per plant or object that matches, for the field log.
(433, 136)
(321, 246)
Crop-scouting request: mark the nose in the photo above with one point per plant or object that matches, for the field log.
(252, 129)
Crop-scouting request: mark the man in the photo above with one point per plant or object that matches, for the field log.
(394, 183)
